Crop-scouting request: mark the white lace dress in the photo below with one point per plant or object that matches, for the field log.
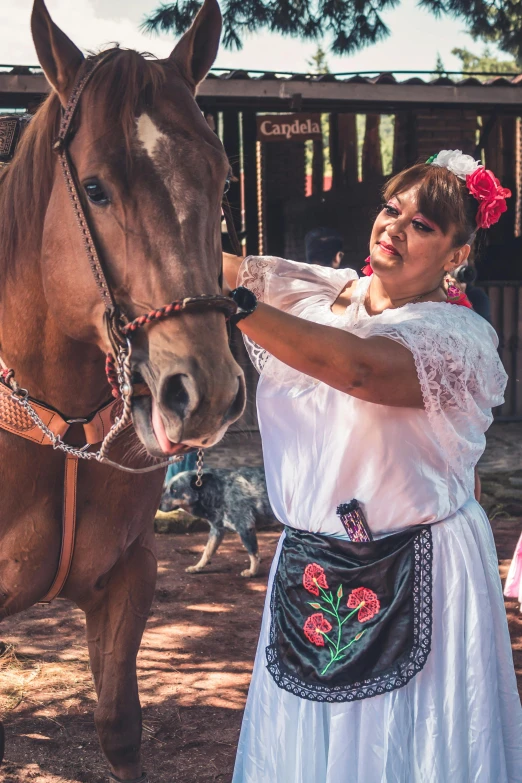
(459, 720)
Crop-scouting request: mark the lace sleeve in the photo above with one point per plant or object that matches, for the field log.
(289, 286)
(460, 374)
(253, 274)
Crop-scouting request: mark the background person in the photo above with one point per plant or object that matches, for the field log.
(464, 278)
(324, 246)
(373, 400)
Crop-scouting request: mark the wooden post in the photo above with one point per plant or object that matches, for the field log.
(318, 168)
(347, 139)
(250, 188)
(372, 156)
(335, 158)
(404, 141)
(231, 142)
(506, 172)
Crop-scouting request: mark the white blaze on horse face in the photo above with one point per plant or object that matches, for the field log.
(158, 147)
(149, 134)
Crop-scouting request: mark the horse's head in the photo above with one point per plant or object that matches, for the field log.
(151, 175)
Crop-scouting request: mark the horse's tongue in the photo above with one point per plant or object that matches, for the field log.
(159, 431)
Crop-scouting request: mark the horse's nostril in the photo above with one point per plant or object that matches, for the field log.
(176, 396)
(236, 409)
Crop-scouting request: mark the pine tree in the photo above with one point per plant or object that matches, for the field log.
(473, 63)
(350, 24)
(439, 65)
(498, 21)
(318, 63)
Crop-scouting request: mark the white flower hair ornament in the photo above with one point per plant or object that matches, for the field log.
(481, 183)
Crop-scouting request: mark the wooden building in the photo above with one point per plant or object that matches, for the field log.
(289, 182)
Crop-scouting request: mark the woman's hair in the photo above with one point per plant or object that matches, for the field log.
(442, 197)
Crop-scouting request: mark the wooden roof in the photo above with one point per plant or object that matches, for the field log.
(381, 93)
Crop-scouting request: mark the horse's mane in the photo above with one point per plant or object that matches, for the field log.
(121, 85)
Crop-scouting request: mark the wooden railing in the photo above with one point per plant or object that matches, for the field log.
(506, 316)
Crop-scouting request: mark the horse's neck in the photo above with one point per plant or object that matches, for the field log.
(62, 372)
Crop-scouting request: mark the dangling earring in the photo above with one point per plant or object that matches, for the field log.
(367, 268)
(453, 292)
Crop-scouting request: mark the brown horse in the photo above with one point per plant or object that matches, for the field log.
(151, 174)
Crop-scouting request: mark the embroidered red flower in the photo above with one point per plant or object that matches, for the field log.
(314, 577)
(314, 628)
(368, 602)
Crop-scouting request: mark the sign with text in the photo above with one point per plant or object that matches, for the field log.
(288, 127)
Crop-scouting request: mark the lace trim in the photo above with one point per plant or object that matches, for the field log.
(461, 379)
(253, 274)
(401, 673)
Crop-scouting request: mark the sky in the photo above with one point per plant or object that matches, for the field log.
(416, 38)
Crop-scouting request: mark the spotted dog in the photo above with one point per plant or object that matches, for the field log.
(233, 499)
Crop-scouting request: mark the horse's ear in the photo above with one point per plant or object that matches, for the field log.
(196, 51)
(58, 56)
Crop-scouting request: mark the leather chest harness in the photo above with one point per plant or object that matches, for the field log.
(35, 421)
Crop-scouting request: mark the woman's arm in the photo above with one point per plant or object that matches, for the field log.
(375, 369)
(231, 266)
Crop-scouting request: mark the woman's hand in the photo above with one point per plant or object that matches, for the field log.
(231, 266)
(375, 369)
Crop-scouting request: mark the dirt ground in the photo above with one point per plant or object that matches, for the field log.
(194, 669)
(194, 665)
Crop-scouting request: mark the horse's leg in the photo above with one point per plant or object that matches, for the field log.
(116, 619)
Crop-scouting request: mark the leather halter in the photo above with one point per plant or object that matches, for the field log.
(97, 426)
(115, 318)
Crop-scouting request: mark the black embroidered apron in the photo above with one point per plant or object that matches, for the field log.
(350, 620)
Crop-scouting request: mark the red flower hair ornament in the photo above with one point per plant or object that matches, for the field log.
(481, 183)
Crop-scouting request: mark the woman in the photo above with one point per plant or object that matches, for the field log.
(384, 654)
(513, 586)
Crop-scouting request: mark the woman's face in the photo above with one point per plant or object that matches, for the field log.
(407, 244)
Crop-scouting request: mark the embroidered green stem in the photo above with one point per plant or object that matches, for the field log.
(337, 655)
(335, 649)
(352, 613)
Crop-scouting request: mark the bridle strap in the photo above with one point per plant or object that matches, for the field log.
(87, 70)
(212, 302)
(117, 325)
(231, 227)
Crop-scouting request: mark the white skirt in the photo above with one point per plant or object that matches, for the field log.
(458, 721)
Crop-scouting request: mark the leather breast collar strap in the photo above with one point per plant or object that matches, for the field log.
(15, 420)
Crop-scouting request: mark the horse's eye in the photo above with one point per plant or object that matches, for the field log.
(96, 193)
(227, 185)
